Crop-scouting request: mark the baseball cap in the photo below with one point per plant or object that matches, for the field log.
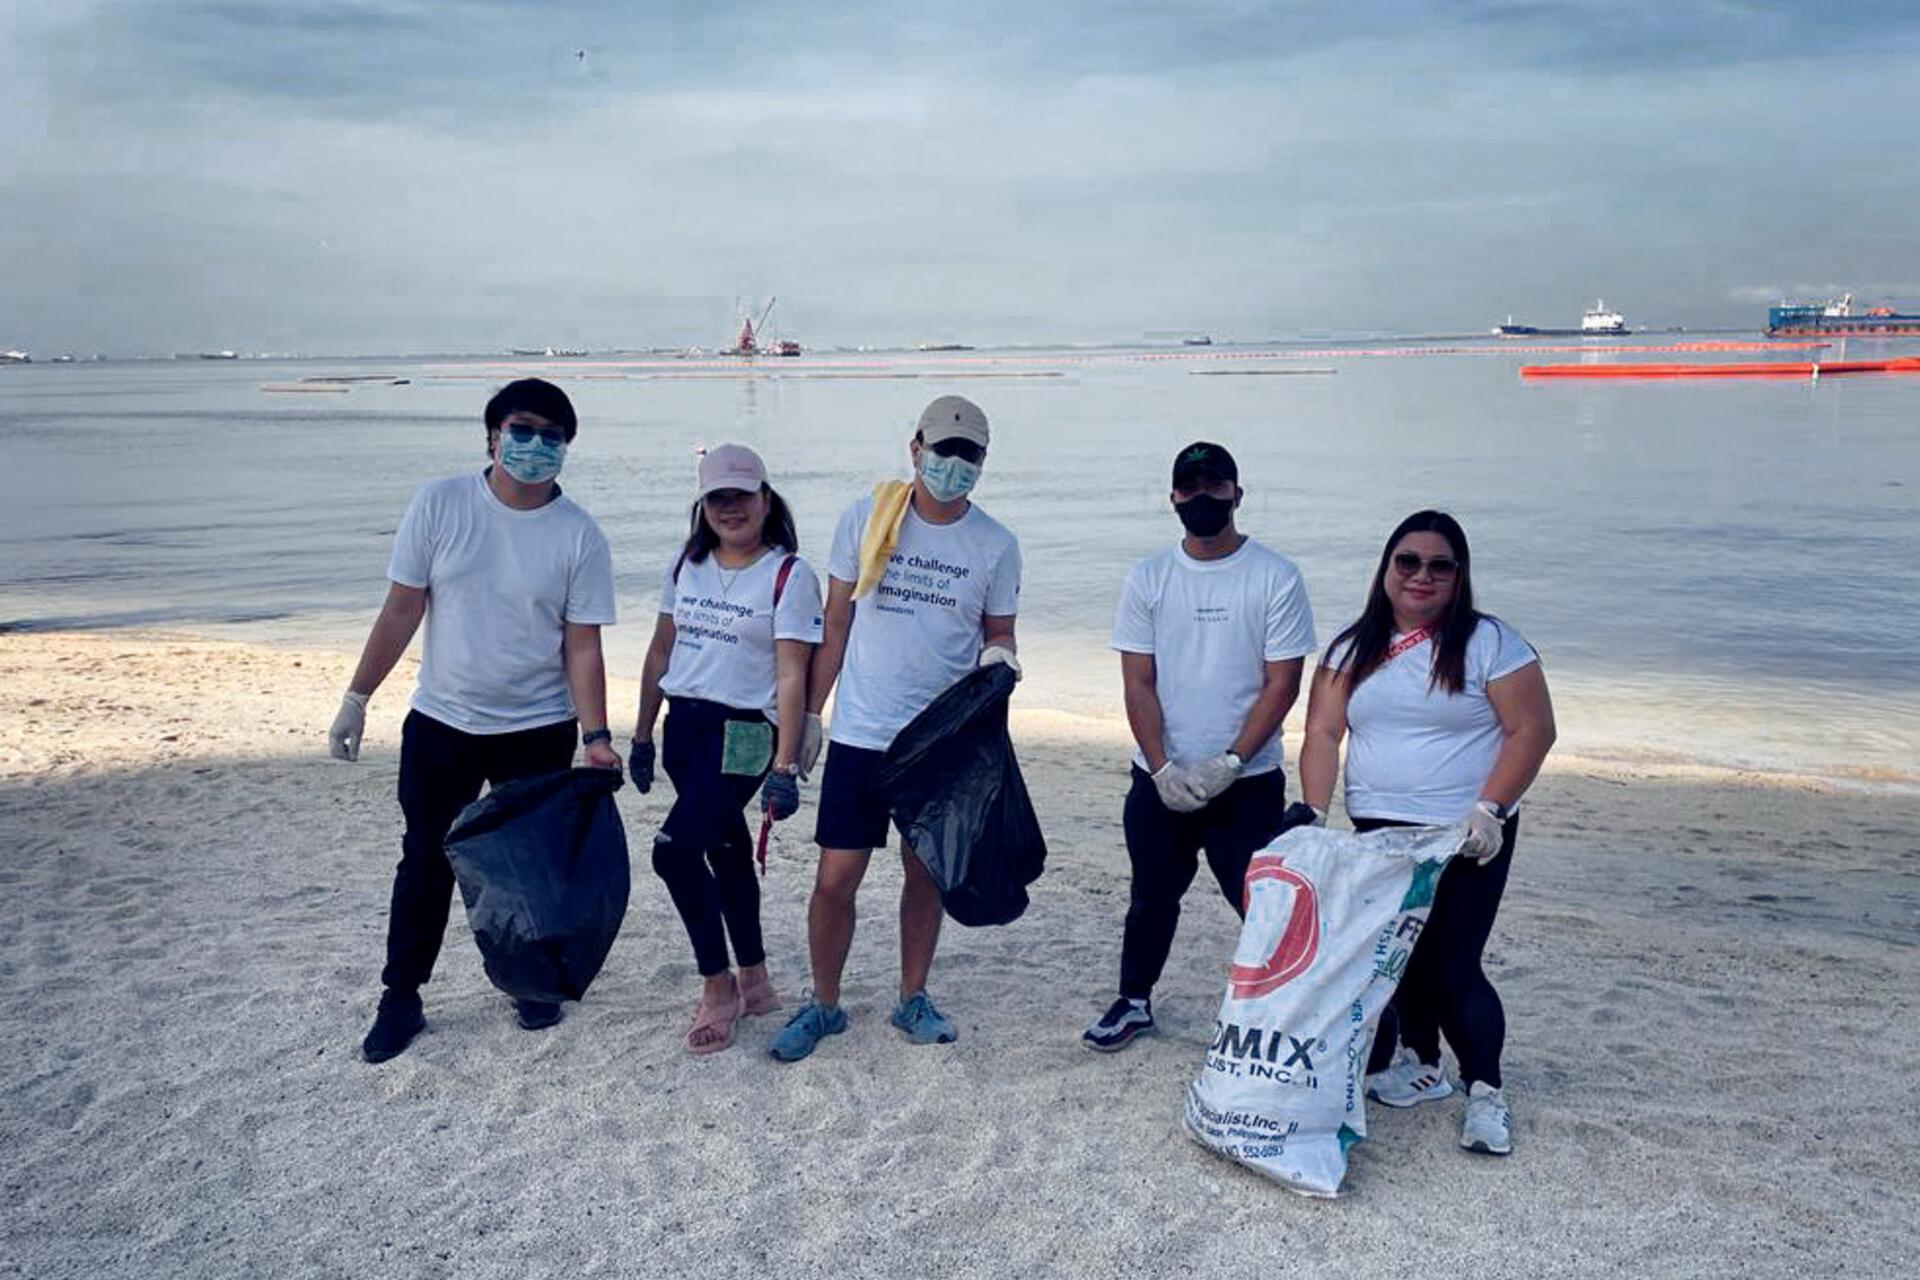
(1202, 456)
(953, 418)
(731, 466)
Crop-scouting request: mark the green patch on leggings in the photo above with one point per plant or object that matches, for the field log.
(746, 747)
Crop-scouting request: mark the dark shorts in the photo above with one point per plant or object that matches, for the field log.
(853, 810)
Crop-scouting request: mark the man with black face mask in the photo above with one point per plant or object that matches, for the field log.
(1212, 635)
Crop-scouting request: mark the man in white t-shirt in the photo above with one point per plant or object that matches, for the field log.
(514, 582)
(943, 594)
(1212, 634)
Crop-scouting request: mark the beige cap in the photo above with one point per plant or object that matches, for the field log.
(731, 466)
(953, 417)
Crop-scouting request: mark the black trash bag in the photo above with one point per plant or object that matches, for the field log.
(542, 866)
(955, 789)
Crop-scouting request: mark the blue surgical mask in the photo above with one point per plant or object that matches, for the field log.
(947, 478)
(531, 461)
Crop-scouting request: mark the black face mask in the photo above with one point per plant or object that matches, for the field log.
(1204, 515)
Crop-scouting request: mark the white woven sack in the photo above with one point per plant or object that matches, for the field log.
(1331, 919)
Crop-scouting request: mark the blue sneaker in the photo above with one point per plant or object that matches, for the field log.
(922, 1023)
(804, 1031)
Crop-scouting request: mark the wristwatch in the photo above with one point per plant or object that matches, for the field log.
(592, 736)
(1499, 812)
(1233, 760)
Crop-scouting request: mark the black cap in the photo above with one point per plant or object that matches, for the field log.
(1202, 456)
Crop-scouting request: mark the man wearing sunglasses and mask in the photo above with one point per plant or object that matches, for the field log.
(1212, 635)
(923, 586)
(514, 582)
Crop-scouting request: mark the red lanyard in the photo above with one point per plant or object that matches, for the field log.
(1405, 643)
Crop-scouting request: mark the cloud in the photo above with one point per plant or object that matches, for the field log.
(353, 176)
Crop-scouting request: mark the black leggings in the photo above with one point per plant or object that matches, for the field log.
(704, 851)
(441, 772)
(1164, 848)
(1445, 991)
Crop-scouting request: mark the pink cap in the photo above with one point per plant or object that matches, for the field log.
(731, 466)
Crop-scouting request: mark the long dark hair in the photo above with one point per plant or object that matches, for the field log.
(1372, 632)
(776, 530)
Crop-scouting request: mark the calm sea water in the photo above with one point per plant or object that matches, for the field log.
(1719, 573)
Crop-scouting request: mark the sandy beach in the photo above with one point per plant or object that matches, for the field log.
(1710, 982)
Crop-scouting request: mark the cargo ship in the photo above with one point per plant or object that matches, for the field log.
(1837, 318)
(1595, 322)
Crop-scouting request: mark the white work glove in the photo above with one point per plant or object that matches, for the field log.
(1177, 789)
(1215, 774)
(1000, 653)
(1485, 834)
(812, 735)
(349, 726)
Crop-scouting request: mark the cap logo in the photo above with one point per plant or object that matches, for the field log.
(1196, 454)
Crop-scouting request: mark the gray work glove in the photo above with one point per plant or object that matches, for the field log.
(812, 735)
(780, 795)
(1177, 789)
(349, 726)
(1484, 836)
(1216, 773)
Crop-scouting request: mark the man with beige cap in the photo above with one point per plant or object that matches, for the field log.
(922, 587)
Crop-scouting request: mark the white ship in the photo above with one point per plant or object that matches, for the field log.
(1600, 320)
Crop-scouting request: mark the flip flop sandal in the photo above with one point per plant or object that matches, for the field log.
(759, 997)
(718, 1018)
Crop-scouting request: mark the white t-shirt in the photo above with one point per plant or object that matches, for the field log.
(918, 631)
(501, 586)
(725, 623)
(1209, 626)
(1420, 754)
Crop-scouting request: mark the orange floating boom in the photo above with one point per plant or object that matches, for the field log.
(1774, 369)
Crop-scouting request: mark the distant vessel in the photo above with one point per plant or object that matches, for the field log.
(15, 357)
(748, 341)
(945, 346)
(1595, 322)
(206, 355)
(550, 352)
(1199, 340)
(1837, 317)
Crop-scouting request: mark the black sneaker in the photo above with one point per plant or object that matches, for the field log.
(1119, 1025)
(535, 1015)
(394, 1026)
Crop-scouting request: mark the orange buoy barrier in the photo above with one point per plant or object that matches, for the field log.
(1730, 369)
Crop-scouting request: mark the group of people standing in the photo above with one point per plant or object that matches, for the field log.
(1444, 711)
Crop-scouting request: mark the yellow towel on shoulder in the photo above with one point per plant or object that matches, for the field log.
(882, 534)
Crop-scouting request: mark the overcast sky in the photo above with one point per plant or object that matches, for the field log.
(439, 175)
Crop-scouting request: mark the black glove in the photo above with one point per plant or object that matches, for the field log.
(780, 795)
(640, 766)
(1301, 814)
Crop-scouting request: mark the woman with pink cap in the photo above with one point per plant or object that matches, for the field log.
(739, 617)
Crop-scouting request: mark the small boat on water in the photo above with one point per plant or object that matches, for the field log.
(1198, 340)
(15, 357)
(1596, 322)
(945, 346)
(1838, 318)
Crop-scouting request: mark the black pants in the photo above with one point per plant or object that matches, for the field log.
(441, 772)
(1164, 848)
(704, 851)
(1444, 990)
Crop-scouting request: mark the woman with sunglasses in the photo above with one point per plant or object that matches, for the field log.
(1447, 719)
(739, 617)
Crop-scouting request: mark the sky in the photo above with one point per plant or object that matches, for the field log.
(359, 176)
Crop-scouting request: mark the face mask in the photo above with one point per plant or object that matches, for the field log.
(947, 478)
(533, 461)
(1204, 515)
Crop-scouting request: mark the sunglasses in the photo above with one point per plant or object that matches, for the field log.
(957, 447)
(524, 434)
(1407, 564)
